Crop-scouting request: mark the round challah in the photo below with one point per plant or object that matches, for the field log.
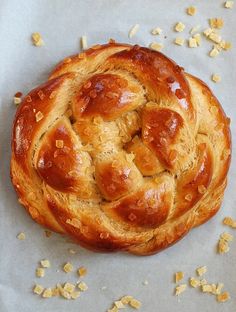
(121, 150)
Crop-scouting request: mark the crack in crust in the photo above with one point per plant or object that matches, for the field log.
(121, 150)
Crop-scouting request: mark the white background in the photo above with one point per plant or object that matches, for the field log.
(24, 66)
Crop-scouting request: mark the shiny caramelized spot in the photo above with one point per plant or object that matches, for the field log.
(56, 163)
(160, 129)
(106, 95)
(193, 185)
(114, 179)
(148, 208)
(145, 159)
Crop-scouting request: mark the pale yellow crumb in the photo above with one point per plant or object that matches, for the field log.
(134, 303)
(207, 288)
(39, 116)
(145, 283)
(201, 270)
(197, 37)
(75, 294)
(191, 10)
(216, 78)
(223, 246)
(47, 293)
(114, 309)
(219, 288)
(179, 27)
(21, 236)
(216, 22)
(227, 237)
(84, 42)
(82, 271)
(223, 297)
(203, 282)
(37, 39)
(59, 143)
(40, 272)
(208, 31)
(156, 31)
(133, 30)
(230, 222)
(48, 233)
(215, 37)
(119, 304)
(227, 45)
(179, 276)
(126, 299)
(156, 46)
(194, 282)
(192, 42)
(38, 289)
(82, 286)
(55, 292)
(69, 287)
(72, 251)
(68, 267)
(179, 41)
(180, 289)
(65, 294)
(45, 263)
(17, 100)
(214, 52)
(229, 4)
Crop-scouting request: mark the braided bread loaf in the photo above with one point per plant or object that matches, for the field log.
(121, 150)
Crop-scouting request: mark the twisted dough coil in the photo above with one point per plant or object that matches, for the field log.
(121, 150)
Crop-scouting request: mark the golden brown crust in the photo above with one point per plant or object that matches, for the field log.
(121, 150)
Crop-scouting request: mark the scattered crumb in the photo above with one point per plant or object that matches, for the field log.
(38, 289)
(82, 286)
(179, 289)
(21, 236)
(188, 197)
(69, 287)
(216, 78)
(40, 272)
(134, 303)
(37, 39)
(47, 233)
(82, 271)
(230, 222)
(84, 43)
(223, 246)
(214, 52)
(207, 32)
(156, 31)
(201, 270)
(207, 288)
(215, 37)
(126, 299)
(104, 288)
(219, 288)
(68, 267)
(227, 237)
(145, 283)
(192, 42)
(179, 27)
(17, 100)
(59, 143)
(229, 4)
(72, 251)
(179, 41)
(191, 10)
(194, 282)
(119, 304)
(75, 294)
(55, 292)
(38, 116)
(179, 276)
(203, 281)
(216, 22)
(45, 263)
(156, 46)
(198, 39)
(133, 30)
(47, 293)
(226, 45)
(223, 297)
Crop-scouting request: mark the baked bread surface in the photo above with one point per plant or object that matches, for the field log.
(121, 150)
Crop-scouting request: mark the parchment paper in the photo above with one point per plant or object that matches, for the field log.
(24, 66)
